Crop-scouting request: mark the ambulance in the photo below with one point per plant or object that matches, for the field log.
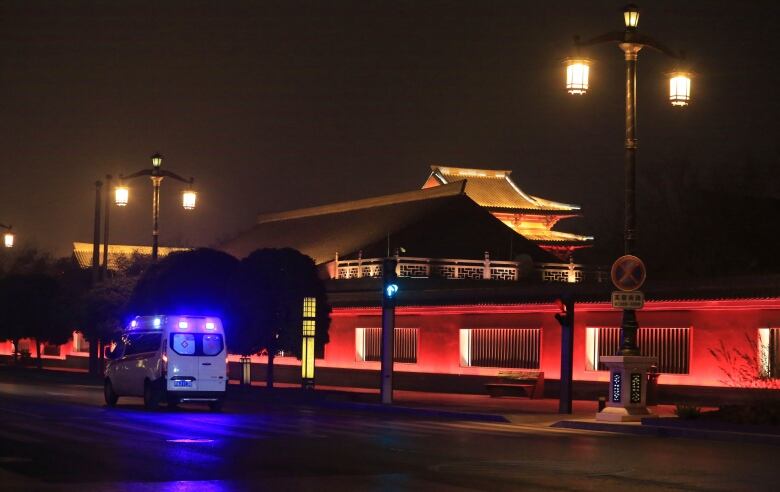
(170, 358)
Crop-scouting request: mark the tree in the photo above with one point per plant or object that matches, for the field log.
(101, 307)
(32, 306)
(102, 313)
(267, 304)
(191, 282)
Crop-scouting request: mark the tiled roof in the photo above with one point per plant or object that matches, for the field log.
(83, 253)
(379, 201)
(546, 236)
(438, 223)
(494, 189)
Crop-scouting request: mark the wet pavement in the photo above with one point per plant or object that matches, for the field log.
(61, 437)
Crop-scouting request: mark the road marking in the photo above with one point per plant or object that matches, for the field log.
(190, 441)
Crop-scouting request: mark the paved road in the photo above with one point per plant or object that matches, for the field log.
(61, 437)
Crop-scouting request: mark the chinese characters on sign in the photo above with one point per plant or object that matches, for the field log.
(628, 300)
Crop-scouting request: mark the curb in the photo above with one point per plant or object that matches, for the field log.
(416, 411)
(669, 431)
(332, 401)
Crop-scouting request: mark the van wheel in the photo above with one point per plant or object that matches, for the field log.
(151, 397)
(108, 394)
(215, 406)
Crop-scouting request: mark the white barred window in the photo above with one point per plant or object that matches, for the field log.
(516, 348)
(769, 352)
(368, 344)
(671, 346)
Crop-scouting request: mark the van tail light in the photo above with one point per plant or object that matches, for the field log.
(164, 361)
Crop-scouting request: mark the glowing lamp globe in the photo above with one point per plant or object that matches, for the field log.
(188, 199)
(121, 195)
(577, 71)
(680, 88)
(631, 16)
(8, 239)
(157, 160)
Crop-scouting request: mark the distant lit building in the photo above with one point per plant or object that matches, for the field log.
(117, 253)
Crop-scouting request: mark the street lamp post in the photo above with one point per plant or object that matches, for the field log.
(628, 369)
(631, 43)
(156, 173)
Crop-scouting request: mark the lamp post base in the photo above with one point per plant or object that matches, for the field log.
(626, 401)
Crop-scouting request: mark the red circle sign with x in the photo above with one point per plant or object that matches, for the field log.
(628, 273)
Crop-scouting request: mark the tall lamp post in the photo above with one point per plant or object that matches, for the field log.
(628, 369)
(631, 42)
(156, 173)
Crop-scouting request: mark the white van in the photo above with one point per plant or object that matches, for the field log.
(172, 358)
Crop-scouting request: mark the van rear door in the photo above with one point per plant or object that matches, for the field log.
(183, 361)
(212, 371)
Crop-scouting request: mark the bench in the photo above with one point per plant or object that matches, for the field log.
(517, 383)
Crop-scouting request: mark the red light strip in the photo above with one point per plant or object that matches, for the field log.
(694, 305)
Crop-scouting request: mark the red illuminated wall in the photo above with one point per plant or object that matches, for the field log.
(439, 342)
(439, 351)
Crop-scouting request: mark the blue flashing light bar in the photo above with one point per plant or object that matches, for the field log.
(157, 322)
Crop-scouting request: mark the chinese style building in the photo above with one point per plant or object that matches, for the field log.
(478, 284)
(530, 216)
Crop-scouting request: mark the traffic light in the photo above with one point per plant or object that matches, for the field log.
(389, 281)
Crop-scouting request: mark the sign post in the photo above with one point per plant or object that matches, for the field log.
(627, 369)
(389, 291)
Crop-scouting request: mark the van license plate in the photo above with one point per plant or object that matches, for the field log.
(182, 384)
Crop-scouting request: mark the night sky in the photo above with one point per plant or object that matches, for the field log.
(285, 104)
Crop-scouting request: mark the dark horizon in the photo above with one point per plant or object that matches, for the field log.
(283, 105)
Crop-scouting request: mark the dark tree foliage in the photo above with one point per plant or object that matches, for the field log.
(33, 306)
(192, 282)
(103, 308)
(267, 300)
(26, 260)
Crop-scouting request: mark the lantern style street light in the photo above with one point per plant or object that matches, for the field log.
(631, 42)
(577, 71)
(156, 173)
(8, 236)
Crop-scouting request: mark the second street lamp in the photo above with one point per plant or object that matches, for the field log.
(631, 42)
(156, 173)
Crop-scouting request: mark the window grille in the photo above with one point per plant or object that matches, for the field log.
(516, 348)
(369, 344)
(769, 352)
(80, 344)
(671, 346)
(774, 352)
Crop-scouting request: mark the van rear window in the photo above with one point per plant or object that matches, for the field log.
(197, 344)
(212, 344)
(183, 343)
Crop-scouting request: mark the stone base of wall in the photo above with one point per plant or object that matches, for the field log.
(451, 383)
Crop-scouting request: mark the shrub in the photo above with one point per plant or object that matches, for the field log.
(687, 412)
